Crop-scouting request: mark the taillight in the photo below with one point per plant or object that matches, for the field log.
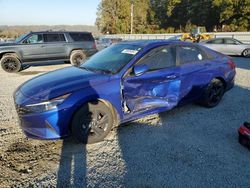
(231, 64)
(94, 45)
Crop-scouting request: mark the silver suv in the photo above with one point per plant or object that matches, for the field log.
(46, 46)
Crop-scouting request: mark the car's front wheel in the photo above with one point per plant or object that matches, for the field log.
(213, 93)
(92, 122)
(77, 57)
(10, 63)
(246, 53)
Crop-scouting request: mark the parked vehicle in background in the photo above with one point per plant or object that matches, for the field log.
(196, 35)
(228, 46)
(176, 37)
(106, 42)
(121, 83)
(46, 46)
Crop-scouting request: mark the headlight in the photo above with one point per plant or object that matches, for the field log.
(45, 106)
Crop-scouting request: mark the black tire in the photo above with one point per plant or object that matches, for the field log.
(86, 129)
(246, 53)
(77, 57)
(243, 141)
(213, 93)
(10, 63)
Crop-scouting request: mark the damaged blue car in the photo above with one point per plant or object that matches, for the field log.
(122, 83)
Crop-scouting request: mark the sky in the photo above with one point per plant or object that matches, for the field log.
(48, 12)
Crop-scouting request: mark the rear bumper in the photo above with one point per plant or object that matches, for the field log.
(230, 84)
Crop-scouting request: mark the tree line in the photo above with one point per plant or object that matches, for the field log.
(173, 16)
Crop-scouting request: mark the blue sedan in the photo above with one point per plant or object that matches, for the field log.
(122, 83)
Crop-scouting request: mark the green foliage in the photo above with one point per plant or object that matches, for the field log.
(159, 16)
(113, 16)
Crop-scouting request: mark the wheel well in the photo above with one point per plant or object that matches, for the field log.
(223, 81)
(108, 104)
(76, 50)
(11, 53)
(244, 50)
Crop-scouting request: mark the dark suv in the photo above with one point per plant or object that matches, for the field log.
(44, 46)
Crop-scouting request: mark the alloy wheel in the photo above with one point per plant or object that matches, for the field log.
(216, 93)
(96, 123)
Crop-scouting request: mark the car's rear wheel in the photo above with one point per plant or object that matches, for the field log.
(10, 63)
(92, 122)
(77, 57)
(246, 52)
(213, 93)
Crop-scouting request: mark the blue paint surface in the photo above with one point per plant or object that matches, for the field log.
(151, 92)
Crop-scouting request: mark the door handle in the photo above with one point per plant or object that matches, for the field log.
(171, 77)
(43, 46)
(207, 64)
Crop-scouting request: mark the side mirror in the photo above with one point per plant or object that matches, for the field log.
(140, 69)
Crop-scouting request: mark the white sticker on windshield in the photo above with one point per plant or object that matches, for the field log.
(128, 51)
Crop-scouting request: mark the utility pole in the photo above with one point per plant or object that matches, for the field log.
(132, 17)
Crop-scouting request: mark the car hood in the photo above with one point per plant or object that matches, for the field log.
(60, 82)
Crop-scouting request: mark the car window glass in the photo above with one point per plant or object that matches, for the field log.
(229, 41)
(81, 36)
(112, 59)
(62, 37)
(189, 54)
(54, 37)
(159, 58)
(36, 38)
(217, 41)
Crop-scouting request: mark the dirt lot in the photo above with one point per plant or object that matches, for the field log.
(190, 146)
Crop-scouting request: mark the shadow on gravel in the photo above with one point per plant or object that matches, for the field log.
(73, 163)
(190, 146)
(72, 167)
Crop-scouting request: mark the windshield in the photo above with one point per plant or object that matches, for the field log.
(20, 38)
(112, 59)
(239, 42)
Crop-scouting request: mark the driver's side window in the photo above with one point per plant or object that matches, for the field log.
(229, 41)
(159, 58)
(36, 38)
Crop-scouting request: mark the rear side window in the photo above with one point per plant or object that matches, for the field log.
(81, 37)
(54, 37)
(189, 54)
(159, 58)
(230, 41)
(216, 41)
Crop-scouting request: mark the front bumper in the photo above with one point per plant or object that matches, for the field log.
(46, 126)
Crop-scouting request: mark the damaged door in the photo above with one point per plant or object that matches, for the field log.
(153, 82)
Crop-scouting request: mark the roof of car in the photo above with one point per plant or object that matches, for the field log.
(86, 32)
(223, 38)
(154, 42)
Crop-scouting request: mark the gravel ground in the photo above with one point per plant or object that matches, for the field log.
(190, 146)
